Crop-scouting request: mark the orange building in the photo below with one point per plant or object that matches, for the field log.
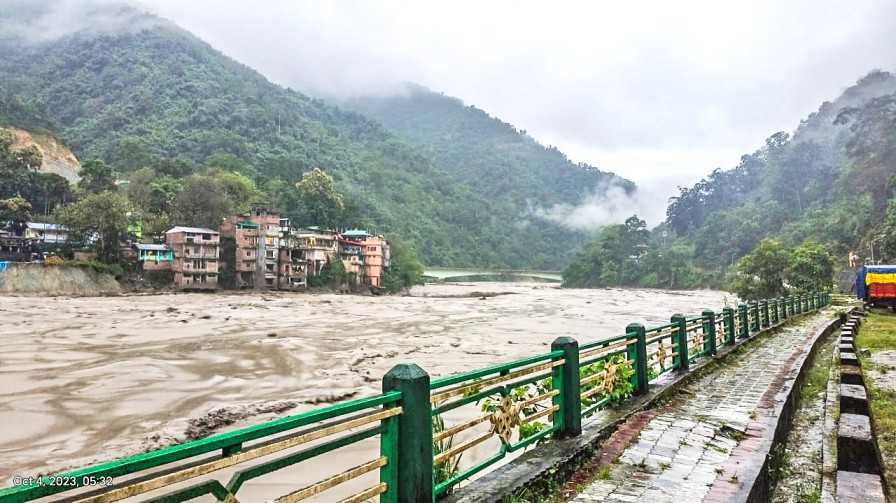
(253, 256)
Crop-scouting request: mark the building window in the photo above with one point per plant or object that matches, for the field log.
(207, 237)
(248, 253)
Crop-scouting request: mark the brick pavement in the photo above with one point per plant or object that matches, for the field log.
(686, 447)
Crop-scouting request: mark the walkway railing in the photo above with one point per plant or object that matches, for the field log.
(422, 454)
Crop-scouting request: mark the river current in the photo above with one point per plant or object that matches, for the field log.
(84, 380)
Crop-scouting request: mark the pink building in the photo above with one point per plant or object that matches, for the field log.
(196, 254)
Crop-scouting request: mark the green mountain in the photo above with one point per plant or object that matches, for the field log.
(831, 182)
(134, 90)
(825, 190)
(470, 145)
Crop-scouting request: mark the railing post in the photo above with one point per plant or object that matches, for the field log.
(754, 315)
(764, 317)
(728, 314)
(414, 447)
(567, 380)
(637, 353)
(709, 332)
(775, 317)
(681, 341)
(784, 307)
(742, 314)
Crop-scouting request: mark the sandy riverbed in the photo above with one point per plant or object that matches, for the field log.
(90, 379)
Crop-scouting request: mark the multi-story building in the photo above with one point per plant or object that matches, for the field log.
(252, 248)
(374, 255)
(196, 254)
(15, 248)
(315, 247)
(352, 259)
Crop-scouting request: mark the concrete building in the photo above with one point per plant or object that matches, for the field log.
(15, 248)
(316, 247)
(252, 248)
(196, 254)
(46, 233)
(374, 255)
(154, 257)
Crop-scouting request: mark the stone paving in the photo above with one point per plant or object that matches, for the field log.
(683, 449)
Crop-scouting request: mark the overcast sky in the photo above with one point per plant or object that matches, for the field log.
(659, 92)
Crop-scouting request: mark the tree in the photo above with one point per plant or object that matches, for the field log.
(405, 269)
(15, 211)
(810, 268)
(96, 177)
(888, 244)
(612, 259)
(101, 216)
(321, 203)
(760, 273)
(201, 203)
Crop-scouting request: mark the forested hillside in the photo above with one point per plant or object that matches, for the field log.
(827, 189)
(829, 182)
(515, 173)
(149, 95)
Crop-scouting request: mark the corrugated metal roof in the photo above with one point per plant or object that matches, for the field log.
(46, 227)
(355, 233)
(141, 246)
(194, 230)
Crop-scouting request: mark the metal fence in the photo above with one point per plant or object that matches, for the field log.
(517, 404)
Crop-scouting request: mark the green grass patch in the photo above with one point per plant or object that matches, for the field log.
(878, 333)
(818, 374)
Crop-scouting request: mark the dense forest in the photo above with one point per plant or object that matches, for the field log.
(514, 172)
(160, 106)
(827, 187)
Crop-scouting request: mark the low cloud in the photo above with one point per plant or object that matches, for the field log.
(37, 22)
(606, 205)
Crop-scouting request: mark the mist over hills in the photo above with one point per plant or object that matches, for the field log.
(133, 89)
(830, 182)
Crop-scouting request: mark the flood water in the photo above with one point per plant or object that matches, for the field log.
(84, 380)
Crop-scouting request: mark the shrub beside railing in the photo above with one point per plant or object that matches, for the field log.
(422, 456)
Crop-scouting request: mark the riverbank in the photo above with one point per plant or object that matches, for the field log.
(41, 280)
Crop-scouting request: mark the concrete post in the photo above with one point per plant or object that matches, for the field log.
(566, 379)
(415, 432)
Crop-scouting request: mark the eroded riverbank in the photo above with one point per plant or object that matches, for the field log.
(90, 379)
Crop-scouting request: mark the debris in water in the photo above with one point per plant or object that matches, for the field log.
(272, 334)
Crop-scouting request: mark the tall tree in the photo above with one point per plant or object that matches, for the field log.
(96, 177)
(760, 273)
(320, 202)
(101, 217)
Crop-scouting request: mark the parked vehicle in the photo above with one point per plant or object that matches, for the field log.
(876, 285)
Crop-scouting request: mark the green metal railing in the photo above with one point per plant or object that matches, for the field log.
(421, 456)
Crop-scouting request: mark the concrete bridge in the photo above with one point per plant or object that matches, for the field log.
(447, 273)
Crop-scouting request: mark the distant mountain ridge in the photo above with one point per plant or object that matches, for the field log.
(154, 91)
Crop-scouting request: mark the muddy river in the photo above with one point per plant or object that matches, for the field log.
(84, 380)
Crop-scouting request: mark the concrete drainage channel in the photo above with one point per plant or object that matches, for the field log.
(858, 461)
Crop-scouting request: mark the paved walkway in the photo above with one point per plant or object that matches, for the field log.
(686, 446)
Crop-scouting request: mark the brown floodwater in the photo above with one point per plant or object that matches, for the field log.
(84, 380)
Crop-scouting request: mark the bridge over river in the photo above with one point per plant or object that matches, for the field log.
(456, 274)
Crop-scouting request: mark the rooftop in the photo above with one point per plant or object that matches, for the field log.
(141, 246)
(192, 230)
(355, 233)
(46, 227)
